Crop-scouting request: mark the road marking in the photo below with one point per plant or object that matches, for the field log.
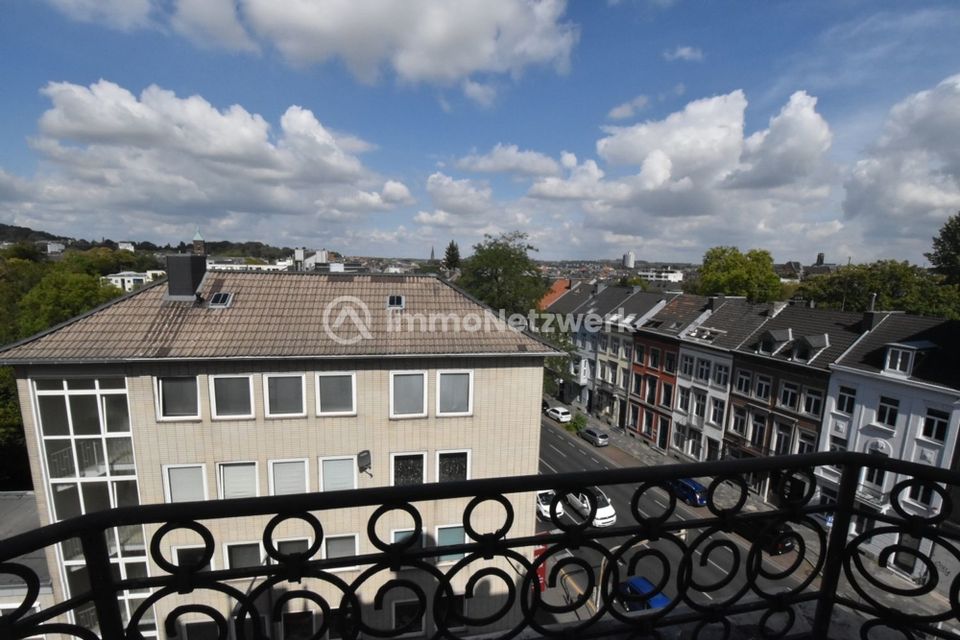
(595, 460)
(548, 465)
(557, 450)
(571, 443)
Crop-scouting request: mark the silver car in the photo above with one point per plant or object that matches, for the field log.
(596, 437)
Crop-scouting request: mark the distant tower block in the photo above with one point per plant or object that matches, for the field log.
(820, 259)
(629, 260)
(199, 247)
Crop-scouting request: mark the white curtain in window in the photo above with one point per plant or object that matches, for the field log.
(186, 484)
(408, 394)
(454, 392)
(341, 547)
(289, 477)
(338, 474)
(239, 480)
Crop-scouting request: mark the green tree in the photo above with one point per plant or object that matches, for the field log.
(59, 296)
(451, 259)
(501, 274)
(899, 286)
(558, 367)
(634, 281)
(727, 271)
(945, 256)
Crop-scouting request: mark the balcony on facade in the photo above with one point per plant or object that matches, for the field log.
(833, 581)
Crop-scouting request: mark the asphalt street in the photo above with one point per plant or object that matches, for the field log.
(562, 452)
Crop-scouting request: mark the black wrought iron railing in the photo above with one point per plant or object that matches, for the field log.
(800, 569)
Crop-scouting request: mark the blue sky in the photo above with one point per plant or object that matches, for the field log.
(383, 128)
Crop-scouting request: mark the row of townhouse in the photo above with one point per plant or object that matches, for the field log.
(710, 377)
(220, 385)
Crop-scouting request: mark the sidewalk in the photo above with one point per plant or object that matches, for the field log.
(627, 449)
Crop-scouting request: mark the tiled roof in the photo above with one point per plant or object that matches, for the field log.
(937, 364)
(841, 328)
(280, 315)
(677, 314)
(730, 325)
(557, 289)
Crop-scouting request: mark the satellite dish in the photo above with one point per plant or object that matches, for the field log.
(363, 461)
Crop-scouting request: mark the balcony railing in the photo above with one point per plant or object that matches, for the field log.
(831, 584)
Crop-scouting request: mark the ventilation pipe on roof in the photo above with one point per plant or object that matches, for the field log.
(873, 301)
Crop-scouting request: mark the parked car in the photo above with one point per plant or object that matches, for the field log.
(544, 498)
(596, 437)
(774, 539)
(605, 516)
(560, 414)
(639, 594)
(689, 491)
(544, 405)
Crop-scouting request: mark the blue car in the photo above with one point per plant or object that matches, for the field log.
(689, 491)
(639, 594)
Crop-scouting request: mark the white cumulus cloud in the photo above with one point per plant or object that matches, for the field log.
(626, 110)
(689, 54)
(510, 159)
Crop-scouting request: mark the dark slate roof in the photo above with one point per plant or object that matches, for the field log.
(730, 325)
(607, 301)
(677, 314)
(936, 364)
(280, 315)
(842, 328)
(572, 299)
(642, 303)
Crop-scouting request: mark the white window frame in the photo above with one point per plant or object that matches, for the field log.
(213, 396)
(356, 550)
(766, 381)
(277, 541)
(441, 372)
(394, 532)
(158, 395)
(404, 416)
(469, 462)
(436, 533)
(719, 368)
(946, 428)
(166, 479)
(175, 548)
(794, 388)
(897, 356)
(353, 383)
(422, 454)
(841, 399)
(393, 620)
(353, 459)
(687, 365)
(812, 393)
(306, 473)
(226, 552)
(267, 410)
(743, 374)
(256, 473)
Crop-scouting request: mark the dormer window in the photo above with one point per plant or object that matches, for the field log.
(395, 301)
(808, 347)
(772, 341)
(899, 360)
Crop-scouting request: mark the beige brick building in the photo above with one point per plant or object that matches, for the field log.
(231, 385)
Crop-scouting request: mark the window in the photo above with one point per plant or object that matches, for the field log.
(337, 393)
(453, 466)
(190, 557)
(220, 299)
(293, 546)
(887, 411)
(935, 425)
(231, 396)
(297, 625)
(449, 536)
(686, 365)
(408, 394)
(921, 493)
(670, 362)
(721, 374)
(739, 424)
(395, 301)
(666, 394)
(177, 398)
(452, 610)
(874, 475)
(603, 342)
(700, 405)
(683, 399)
(454, 393)
(637, 383)
(402, 535)
(789, 394)
(238, 480)
(615, 347)
(343, 546)
(838, 443)
(654, 358)
(186, 483)
(623, 376)
(762, 389)
(338, 474)
(898, 360)
(717, 411)
(812, 402)
(806, 442)
(703, 369)
(627, 351)
(758, 431)
(784, 434)
(407, 469)
(284, 395)
(407, 612)
(743, 381)
(651, 390)
(244, 554)
(846, 399)
(648, 423)
(638, 354)
(288, 476)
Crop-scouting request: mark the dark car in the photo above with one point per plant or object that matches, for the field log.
(774, 539)
(689, 491)
(544, 405)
